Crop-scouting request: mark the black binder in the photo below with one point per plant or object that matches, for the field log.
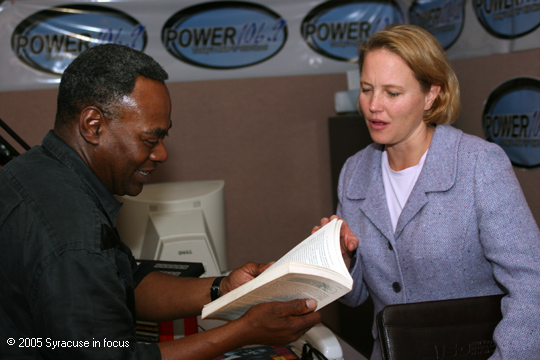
(448, 329)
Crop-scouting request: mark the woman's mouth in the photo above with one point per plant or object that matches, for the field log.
(376, 124)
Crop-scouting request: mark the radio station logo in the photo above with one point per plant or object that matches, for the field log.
(508, 19)
(511, 119)
(51, 39)
(444, 19)
(224, 35)
(335, 29)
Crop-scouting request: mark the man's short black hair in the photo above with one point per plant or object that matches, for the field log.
(101, 76)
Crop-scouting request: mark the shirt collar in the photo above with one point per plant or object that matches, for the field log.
(439, 170)
(67, 156)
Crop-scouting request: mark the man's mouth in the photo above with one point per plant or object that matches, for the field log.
(143, 176)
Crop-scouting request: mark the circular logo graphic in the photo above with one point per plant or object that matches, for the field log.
(444, 19)
(49, 40)
(511, 119)
(224, 35)
(508, 19)
(335, 29)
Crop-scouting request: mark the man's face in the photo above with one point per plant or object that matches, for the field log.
(131, 145)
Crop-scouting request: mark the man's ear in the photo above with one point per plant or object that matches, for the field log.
(90, 124)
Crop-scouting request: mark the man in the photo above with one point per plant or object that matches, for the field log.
(69, 287)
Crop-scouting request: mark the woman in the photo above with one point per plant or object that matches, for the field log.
(430, 212)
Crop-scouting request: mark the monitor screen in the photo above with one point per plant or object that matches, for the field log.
(177, 221)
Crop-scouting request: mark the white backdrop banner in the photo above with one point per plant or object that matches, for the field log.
(196, 40)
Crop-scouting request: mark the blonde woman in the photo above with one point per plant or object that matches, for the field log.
(432, 213)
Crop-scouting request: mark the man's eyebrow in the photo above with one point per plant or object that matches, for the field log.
(159, 131)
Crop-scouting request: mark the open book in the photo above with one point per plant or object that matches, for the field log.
(314, 269)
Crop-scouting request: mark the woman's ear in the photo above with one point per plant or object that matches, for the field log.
(431, 95)
(90, 123)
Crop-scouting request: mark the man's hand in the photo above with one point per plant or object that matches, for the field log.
(349, 241)
(241, 276)
(272, 323)
(279, 323)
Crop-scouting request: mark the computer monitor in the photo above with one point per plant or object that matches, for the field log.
(177, 221)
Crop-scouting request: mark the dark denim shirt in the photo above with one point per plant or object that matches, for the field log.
(66, 279)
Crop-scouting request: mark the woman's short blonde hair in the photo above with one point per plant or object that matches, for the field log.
(425, 56)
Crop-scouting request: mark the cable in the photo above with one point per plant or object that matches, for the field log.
(14, 135)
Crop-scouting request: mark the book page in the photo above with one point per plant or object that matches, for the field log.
(313, 269)
(322, 249)
(289, 287)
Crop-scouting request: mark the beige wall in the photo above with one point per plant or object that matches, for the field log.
(268, 139)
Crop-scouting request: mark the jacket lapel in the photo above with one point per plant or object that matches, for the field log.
(438, 174)
(368, 186)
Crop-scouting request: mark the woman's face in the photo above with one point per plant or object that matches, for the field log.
(392, 100)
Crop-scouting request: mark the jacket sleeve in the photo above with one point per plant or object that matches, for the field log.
(511, 241)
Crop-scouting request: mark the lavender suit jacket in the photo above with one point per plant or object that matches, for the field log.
(465, 231)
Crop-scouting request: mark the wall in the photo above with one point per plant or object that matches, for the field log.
(268, 138)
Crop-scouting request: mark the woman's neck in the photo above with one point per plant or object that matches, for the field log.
(405, 155)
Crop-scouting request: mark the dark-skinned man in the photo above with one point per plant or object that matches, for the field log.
(67, 281)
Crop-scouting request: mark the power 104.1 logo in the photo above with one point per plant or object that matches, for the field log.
(508, 19)
(335, 29)
(51, 39)
(224, 35)
(512, 119)
(444, 19)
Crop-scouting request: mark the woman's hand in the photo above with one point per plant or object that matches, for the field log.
(349, 241)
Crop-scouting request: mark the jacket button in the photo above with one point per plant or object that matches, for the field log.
(396, 287)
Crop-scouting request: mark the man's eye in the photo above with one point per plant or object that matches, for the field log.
(365, 90)
(392, 94)
(152, 142)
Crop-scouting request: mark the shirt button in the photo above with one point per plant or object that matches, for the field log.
(396, 287)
